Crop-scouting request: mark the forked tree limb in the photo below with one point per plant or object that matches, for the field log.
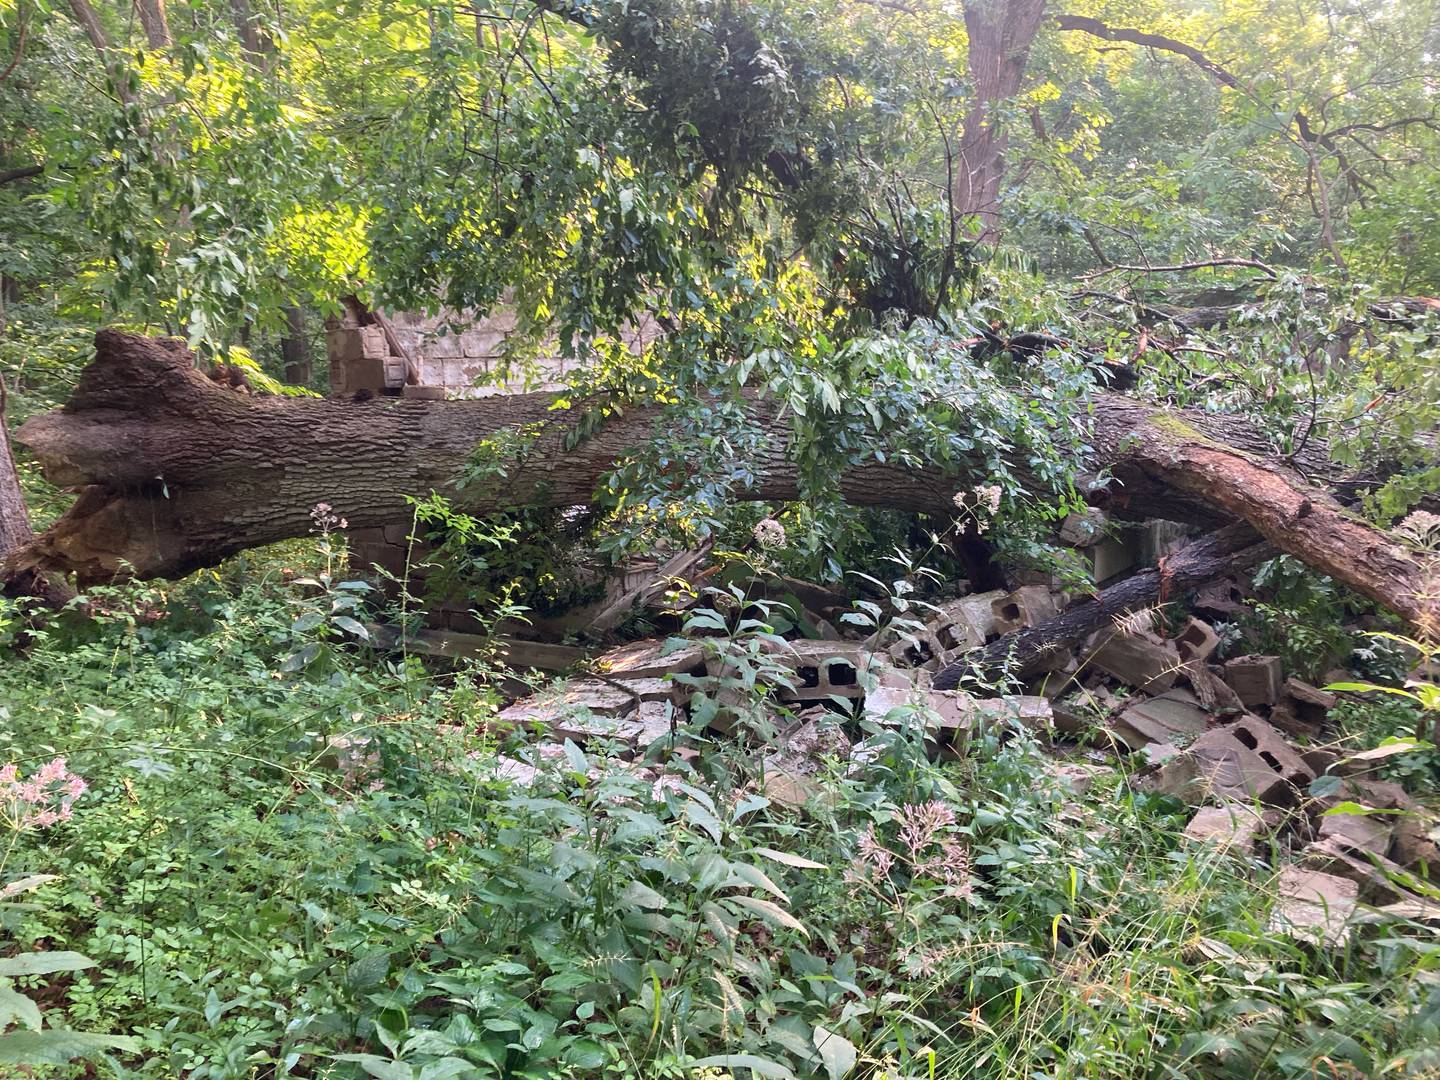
(1030, 648)
(178, 473)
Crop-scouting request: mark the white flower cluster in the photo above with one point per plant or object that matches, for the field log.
(325, 519)
(1420, 526)
(983, 503)
(770, 533)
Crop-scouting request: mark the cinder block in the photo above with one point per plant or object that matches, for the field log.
(1249, 759)
(1198, 641)
(1139, 660)
(1111, 557)
(1028, 605)
(373, 344)
(1256, 679)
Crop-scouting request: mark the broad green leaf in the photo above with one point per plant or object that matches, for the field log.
(380, 1068)
(768, 911)
(43, 963)
(16, 1006)
(836, 1051)
(787, 859)
(772, 1070)
(56, 1046)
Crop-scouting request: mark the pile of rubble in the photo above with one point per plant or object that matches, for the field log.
(1242, 741)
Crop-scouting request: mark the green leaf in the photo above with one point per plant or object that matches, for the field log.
(770, 912)
(16, 1006)
(57, 1046)
(837, 1052)
(43, 963)
(758, 1065)
(380, 1068)
(1389, 748)
(785, 858)
(351, 626)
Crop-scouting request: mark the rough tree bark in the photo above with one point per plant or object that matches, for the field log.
(177, 473)
(15, 531)
(1000, 33)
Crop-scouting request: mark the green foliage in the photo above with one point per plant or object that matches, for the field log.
(328, 870)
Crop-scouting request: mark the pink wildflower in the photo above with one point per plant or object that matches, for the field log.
(41, 801)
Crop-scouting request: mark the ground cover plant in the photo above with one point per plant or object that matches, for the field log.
(280, 869)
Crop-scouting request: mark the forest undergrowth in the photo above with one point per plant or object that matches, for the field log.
(268, 850)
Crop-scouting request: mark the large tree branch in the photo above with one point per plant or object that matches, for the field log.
(1309, 135)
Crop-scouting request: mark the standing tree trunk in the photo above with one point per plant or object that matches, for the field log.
(295, 348)
(258, 46)
(156, 24)
(1000, 33)
(179, 473)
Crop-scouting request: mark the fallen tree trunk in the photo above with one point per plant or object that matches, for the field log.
(176, 473)
(1028, 649)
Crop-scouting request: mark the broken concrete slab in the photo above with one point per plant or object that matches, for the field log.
(1255, 679)
(581, 709)
(1306, 694)
(1314, 906)
(1174, 717)
(1369, 832)
(968, 622)
(790, 770)
(1139, 660)
(651, 658)
(1213, 691)
(1080, 776)
(1375, 876)
(1225, 827)
(1222, 601)
(1082, 529)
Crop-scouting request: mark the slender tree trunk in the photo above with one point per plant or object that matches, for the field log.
(179, 473)
(156, 23)
(295, 348)
(15, 530)
(1000, 34)
(258, 46)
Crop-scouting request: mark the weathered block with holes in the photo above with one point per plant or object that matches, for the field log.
(826, 668)
(1198, 641)
(1256, 679)
(1244, 760)
(1028, 605)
